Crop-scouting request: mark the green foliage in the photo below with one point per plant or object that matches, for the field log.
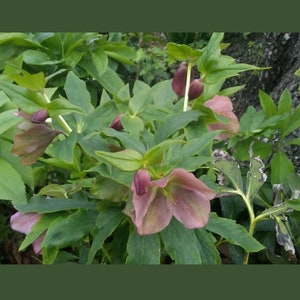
(84, 184)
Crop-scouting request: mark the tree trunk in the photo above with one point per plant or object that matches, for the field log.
(281, 52)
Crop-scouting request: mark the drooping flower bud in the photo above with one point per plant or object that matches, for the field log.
(116, 123)
(196, 89)
(40, 116)
(179, 80)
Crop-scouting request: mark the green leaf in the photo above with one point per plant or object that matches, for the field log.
(128, 141)
(281, 167)
(181, 243)
(251, 121)
(143, 249)
(96, 64)
(294, 204)
(111, 81)
(120, 52)
(255, 176)
(207, 247)
(233, 233)
(64, 149)
(125, 160)
(66, 231)
(133, 125)
(229, 167)
(37, 57)
(25, 172)
(175, 122)
(267, 104)
(182, 52)
(211, 53)
(8, 119)
(294, 122)
(155, 154)
(231, 90)
(22, 97)
(43, 205)
(62, 106)
(285, 103)
(107, 221)
(54, 190)
(139, 101)
(11, 184)
(77, 93)
(295, 141)
(34, 82)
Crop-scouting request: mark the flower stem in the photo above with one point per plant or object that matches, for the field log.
(187, 86)
(59, 118)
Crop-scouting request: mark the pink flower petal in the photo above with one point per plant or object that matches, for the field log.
(188, 181)
(37, 244)
(157, 217)
(191, 208)
(23, 222)
(222, 105)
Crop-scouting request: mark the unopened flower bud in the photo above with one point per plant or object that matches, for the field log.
(196, 89)
(179, 80)
(40, 116)
(116, 123)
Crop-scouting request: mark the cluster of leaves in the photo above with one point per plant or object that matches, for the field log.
(81, 186)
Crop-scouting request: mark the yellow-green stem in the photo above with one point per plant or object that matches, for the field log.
(60, 118)
(187, 86)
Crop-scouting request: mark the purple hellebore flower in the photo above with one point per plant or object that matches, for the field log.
(24, 223)
(195, 89)
(180, 194)
(117, 123)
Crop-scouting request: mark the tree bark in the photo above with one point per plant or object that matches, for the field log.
(281, 52)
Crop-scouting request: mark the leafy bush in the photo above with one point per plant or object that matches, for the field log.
(104, 169)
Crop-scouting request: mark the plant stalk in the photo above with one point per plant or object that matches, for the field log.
(187, 86)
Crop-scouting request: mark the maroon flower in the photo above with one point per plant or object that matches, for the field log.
(180, 195)
(24, 223)
(222, 105)
(34, 137)
(179, 79)
(196, 89)
(116, 123)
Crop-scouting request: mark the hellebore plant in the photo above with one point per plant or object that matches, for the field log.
(180, 194)
(144, 174)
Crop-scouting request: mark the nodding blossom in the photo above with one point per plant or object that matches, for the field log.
(180, 194)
